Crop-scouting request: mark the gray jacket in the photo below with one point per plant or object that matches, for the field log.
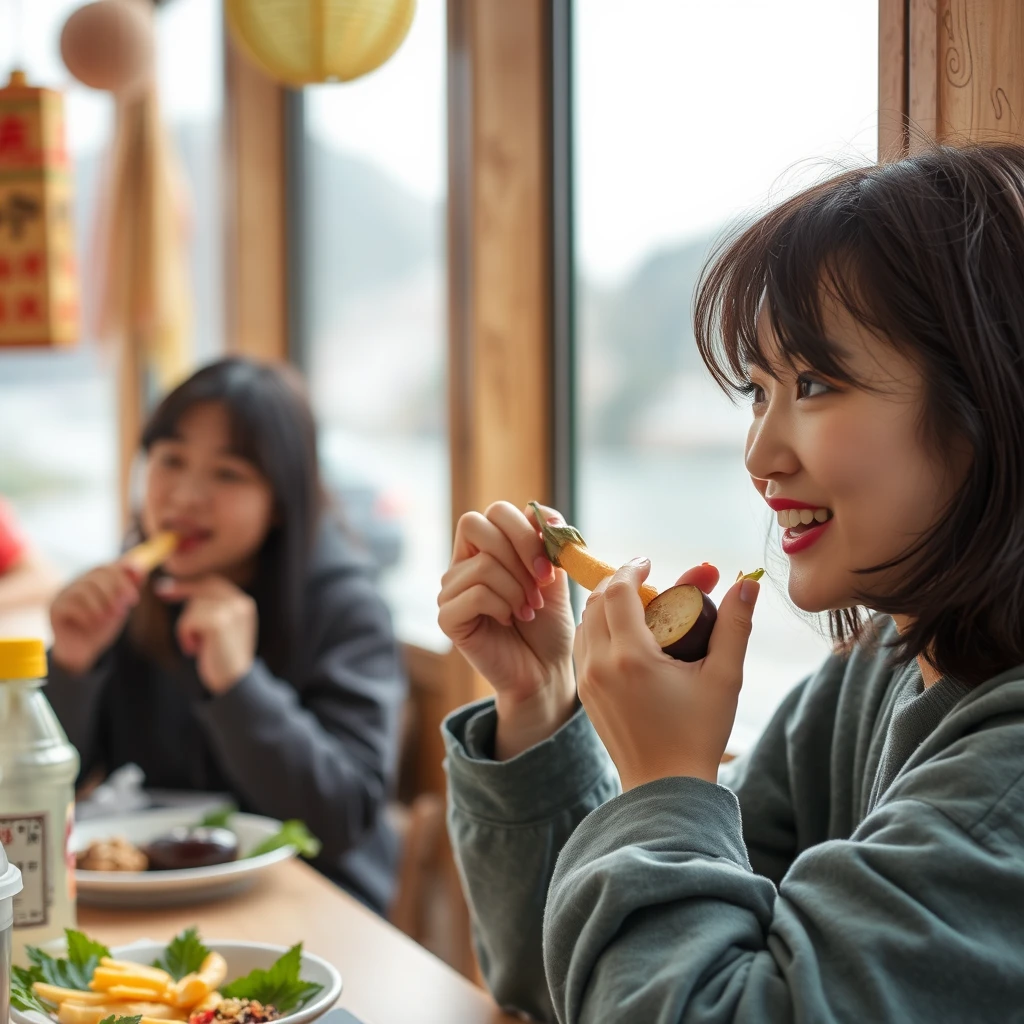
(320, 743)
(865, 862)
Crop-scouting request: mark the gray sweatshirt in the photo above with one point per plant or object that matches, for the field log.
(318, 743)
(864, 862)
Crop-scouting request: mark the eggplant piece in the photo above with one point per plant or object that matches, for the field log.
(198, 847)
(681, 619)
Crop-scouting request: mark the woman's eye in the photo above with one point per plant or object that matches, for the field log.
(169, 460)
(809, 387)
(754, 393)
(230, 476)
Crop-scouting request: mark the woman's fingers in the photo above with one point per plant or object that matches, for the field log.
(459, 617)
(728, 645)
(704, 577)
(505, 533)
(484, 568)
(624, 611)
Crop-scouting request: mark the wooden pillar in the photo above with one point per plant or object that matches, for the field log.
(255, 228)
(499, 258)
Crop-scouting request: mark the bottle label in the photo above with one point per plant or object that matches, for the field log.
(25, 841)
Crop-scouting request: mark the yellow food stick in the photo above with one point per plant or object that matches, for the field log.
(195, 987)
(126, 968)
(128, 992)
(211, 1002)
(79, 1013)
(104, 979)
(151, 553)
(57, 995)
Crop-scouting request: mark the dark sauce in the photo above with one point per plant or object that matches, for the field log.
(191, 848)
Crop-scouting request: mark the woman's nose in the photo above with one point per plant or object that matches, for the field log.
(770, 451)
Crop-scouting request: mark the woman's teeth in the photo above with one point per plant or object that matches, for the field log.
(792, 517)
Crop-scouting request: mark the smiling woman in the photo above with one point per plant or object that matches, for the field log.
(259, 660)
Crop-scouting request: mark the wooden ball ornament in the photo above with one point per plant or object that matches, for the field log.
(109, 45)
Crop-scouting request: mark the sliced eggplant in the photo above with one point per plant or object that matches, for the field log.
(681, 619)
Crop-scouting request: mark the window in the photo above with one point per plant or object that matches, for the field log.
(58, 409)
(374, 262)
(689, 117)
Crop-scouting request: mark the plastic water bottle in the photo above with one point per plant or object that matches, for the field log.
(38, 768)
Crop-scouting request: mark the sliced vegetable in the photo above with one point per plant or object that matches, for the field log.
(279, 986)
(112, 1019)
(568, 550)
(184, 954)
(292, 833)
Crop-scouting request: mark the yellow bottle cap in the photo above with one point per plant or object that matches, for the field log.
(22, 659)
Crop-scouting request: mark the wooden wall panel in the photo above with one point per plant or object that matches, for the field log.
(981, 68)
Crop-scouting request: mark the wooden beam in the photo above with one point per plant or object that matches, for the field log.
(922, 73)
(500, 230)
(892, 79)
(256, 250)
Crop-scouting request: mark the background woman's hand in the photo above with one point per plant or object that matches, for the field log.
(507, 610)
(218, 627)
(88, 615)
(659, 717)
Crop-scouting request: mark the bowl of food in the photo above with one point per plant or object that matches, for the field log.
(188, 980)
(165, 857)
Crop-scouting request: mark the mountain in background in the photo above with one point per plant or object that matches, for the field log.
(374, 279)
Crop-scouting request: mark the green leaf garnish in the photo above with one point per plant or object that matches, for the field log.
(280, 986)
(77, 969)
(292, 833)
(219, 818)
(23, 996)
(184, 954)
(121, 1020)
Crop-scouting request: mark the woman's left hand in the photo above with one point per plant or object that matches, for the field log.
(217, 627)
(659, 717)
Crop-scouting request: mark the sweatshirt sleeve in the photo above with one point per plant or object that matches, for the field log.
(655, 913)
(324, 747)
(508, 821)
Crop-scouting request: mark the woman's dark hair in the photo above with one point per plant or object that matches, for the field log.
(928, 253)
(272, 427)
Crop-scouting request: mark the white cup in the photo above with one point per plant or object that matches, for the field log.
(10, 886)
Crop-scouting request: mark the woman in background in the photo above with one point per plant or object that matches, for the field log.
(260, 660)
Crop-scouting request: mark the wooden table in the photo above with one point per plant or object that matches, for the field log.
(387, 978)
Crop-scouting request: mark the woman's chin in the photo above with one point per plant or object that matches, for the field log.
(817, 599)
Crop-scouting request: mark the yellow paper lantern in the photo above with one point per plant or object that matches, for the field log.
(38, 272)
(301, 42)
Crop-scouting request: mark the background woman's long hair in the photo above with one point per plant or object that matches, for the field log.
(272, 427)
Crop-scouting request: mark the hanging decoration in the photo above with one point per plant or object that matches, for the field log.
(141, 269)
(38, 274)
(302, 42)
(109, 46)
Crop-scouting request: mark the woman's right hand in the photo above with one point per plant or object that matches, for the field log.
(506, 609)
(90, 612)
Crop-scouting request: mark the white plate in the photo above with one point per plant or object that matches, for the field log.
(242, 957)
(169, 888)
